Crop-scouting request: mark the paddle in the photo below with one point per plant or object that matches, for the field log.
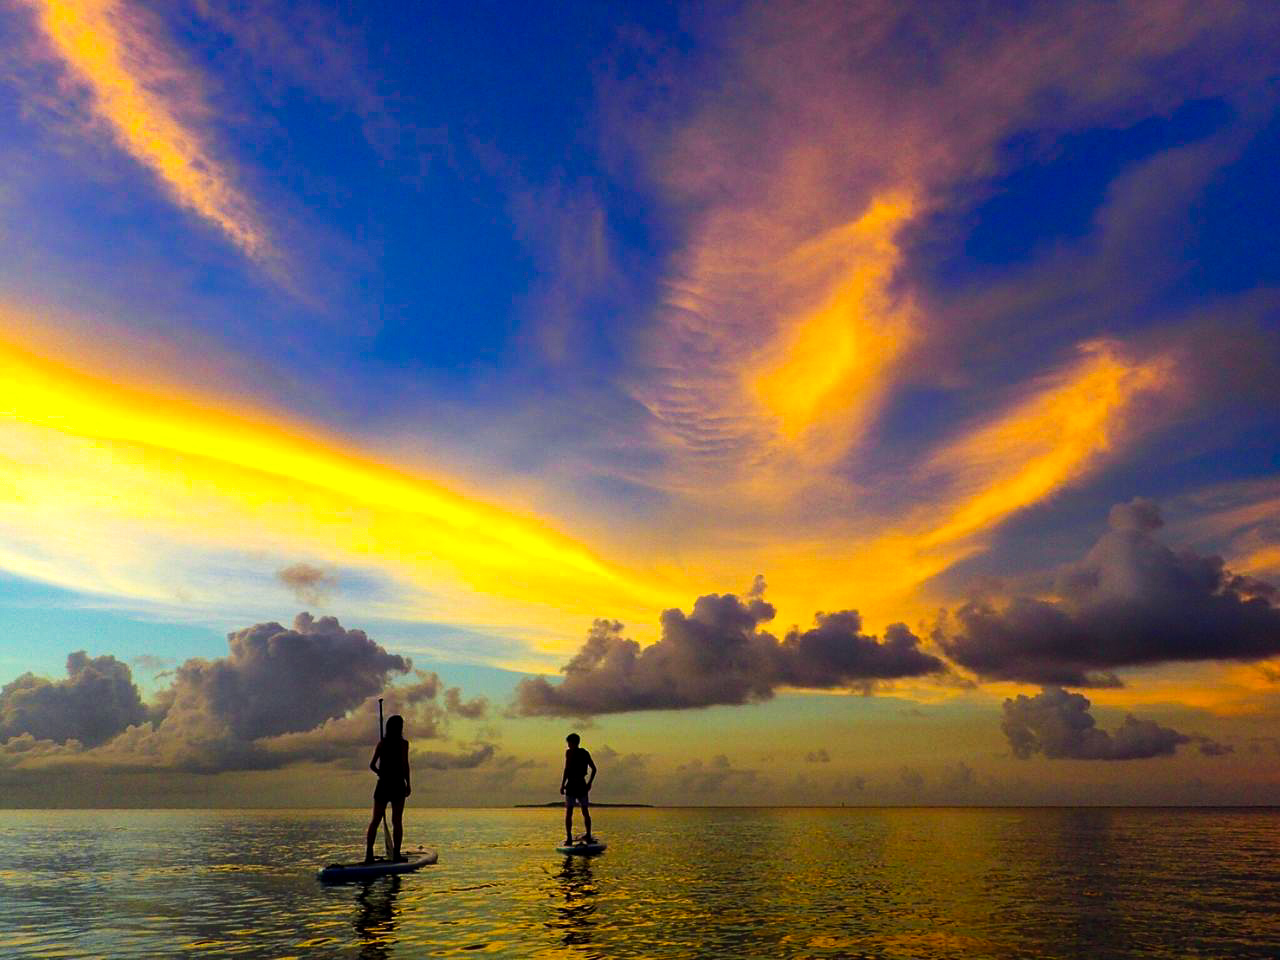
(386, 834)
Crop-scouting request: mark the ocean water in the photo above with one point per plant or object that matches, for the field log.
(909, 883)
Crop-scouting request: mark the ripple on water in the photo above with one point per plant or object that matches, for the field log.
(811, 883)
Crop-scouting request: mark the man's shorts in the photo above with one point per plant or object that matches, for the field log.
(575, 792)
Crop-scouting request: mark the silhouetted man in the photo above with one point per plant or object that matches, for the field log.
(575, 785)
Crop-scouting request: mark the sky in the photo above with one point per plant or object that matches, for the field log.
(816, 403)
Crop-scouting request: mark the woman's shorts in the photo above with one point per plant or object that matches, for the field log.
(388, 793)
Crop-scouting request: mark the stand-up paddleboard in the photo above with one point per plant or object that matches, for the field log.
(582, 848)
(343, 872)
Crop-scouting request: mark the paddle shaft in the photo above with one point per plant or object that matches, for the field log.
(386, 833)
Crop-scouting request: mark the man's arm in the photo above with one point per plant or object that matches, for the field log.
(564, 777)
(592, 765)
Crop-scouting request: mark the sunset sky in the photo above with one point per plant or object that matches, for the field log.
(810, 403)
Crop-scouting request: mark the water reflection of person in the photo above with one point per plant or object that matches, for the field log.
(575, 785)
(391, 763)
(579, 890)
(376, 916)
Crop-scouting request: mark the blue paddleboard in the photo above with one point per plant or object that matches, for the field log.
(343, 872)
(582, 849)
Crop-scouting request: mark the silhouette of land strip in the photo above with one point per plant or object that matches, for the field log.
(560, 803)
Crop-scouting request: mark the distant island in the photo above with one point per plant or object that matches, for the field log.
(560, 803)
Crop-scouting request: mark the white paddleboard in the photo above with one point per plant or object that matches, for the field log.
(581, 848)
(342, 872)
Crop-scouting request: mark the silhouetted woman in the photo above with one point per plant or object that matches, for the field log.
(391, 763)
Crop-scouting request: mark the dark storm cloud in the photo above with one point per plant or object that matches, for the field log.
(623, 774)
(425, 687)
(279, 680)
(911, 779)
(96, 701)
(713, 776)
(957, 778)
(1132, 601)
(719, 655)
(280, 696)
(309, 584)
(474, 709)
(349, 739)
(836, 653)
(465, 760)
(1212, 748)
(1057, 723)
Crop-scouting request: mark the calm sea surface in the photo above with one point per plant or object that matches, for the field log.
(918, 883)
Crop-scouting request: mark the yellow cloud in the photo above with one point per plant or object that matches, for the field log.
(1263, 560)
(1224, 689)
(826, 364)
(1242, 521)
(109, 478)
(775, 347)
(103, 45)
(125, 491)
(1044, 442)
(1067, 425)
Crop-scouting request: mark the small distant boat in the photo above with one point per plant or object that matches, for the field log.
(344, 872)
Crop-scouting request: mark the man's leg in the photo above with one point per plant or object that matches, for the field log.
(568, 818)
(586, 815)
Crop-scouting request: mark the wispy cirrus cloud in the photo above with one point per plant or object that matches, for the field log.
(1051, 433)
(1241, 519)
(84, 459)
(787, 320)
(1065, 425)
(152, 106)
(795, 324)
(769, 355)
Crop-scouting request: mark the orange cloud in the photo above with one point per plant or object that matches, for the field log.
(1263, 560)
(1240, 520)
(774, 349)
(826, 365)
(106, 47)
(1060, 431)
(1064, 426)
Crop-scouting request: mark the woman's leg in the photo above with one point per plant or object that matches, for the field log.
(397, 823)
(379, 811)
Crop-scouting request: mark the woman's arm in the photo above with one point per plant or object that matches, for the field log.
(377, 752)
(408, 788)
